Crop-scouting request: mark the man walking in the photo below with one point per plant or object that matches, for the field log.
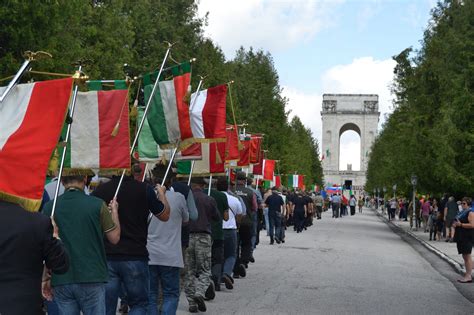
(164, 248)
(198, 253)
(230, 233)
(82, 221)
(336, 205)
(318, 203)
(275, 205)
(23, 250)
(128, 260)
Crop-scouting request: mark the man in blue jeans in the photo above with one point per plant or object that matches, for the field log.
(82, 221)
(164, 247)
(275, 205)
(128, 260)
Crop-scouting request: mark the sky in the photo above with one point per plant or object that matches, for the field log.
(323, 46)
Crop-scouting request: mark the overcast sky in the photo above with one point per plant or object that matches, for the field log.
(323, 46)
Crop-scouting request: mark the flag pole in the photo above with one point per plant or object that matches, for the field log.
(147, 107)
(191, 172)
(144, 172)
(29, 57)
(210, 184)
(77, 77)
(169, 164)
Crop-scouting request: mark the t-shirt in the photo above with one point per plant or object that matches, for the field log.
(299, 203)
(136, 200)
(352, 202)
(274, 203)
(336, 199)
(235, 208)
(164, 238)
(207, 212)
(318, 201)
(222, 206)
(82, 221)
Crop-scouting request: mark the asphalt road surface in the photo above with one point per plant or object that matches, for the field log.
(353, 265)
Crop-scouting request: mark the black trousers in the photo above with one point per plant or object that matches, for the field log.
(244, 245)
(217, 259)
(299, 220)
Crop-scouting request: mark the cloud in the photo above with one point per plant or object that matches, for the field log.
(306, 106)
(267, 24)
(363, 76)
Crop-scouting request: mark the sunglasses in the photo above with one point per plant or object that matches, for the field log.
(464, 203)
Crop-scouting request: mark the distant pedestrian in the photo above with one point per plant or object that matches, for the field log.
(360, 203)
(336, 205)
(450, 212)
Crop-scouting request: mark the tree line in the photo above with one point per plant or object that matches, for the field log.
(114, 32)
(430, 133)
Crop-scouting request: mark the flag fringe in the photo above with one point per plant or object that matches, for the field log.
(31, 205)
(200, 175)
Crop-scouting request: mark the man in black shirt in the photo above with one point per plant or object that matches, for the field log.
(300, 211)
(26, 240)
(128, 260)
(275, 206)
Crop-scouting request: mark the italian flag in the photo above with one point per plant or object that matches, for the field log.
(208, 114)
(31, 119)
(211, 163)
(168, 115)
(296, 181)
(149, 150)
(100, 136)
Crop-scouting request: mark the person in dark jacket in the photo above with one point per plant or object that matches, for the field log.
(26, 240)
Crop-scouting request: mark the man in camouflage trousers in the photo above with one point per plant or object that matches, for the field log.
(198, 254)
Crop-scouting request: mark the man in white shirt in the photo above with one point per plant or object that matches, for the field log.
(230, 234)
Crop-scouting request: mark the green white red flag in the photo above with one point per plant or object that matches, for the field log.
(149, 150)
(296, 181)
(100, 133)
(211, 162)
(31, 119)
(208, 114)
(168, 115)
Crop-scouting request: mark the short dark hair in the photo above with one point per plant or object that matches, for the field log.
(467, 200)
(222, 184)
(66, 180)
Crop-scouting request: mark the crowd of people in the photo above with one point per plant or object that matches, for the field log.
(445, 219)
(143, 245)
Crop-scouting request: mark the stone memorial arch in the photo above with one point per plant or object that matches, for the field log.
(340, 113)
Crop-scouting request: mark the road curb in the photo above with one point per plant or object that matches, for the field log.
(456, 266)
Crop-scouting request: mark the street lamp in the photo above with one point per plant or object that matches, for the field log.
(378, 190)
(384, 191)
(414, 181)
(395, 191)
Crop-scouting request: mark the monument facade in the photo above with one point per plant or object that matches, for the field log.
(340, 113)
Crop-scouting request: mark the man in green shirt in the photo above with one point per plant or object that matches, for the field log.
(217, 241)
(82, 221)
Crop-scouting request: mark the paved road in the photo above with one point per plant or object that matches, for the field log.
(353, 265)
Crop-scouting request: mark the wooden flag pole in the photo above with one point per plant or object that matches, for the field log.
(147, 107)
(77, 76)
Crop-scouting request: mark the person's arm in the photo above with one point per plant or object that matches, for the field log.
(184, 210)
(109, 221)
(193, 212)
(55, 258)
(226, 215)
(254, 203)
(305, 210)
(157, 203)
